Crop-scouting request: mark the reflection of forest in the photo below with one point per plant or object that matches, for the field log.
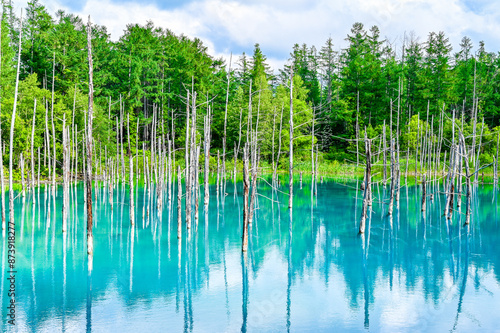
(417, 252)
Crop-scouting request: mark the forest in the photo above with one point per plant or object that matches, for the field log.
(143, 80)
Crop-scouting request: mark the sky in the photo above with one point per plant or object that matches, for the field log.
(234, 26)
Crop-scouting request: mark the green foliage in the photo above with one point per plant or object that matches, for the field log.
(367, 85)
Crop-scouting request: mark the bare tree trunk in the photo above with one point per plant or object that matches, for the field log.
(53, 131)
(407, 163)
(384, 147)
(159, 184)
(424, 194)
(244, 246)
(23, 185)
(467, 180)
(312, 149)
(121, 141)
(11, 143)
(217, 182)
(179, 203)
(366, 197)
(474, 114)
(495, 173)
(131, 176)
(357, 129)
(206, 150)
(417, 147)
(187, 175)
(279, 149)
(170, 172)
(316, 172)
(66, 158)
(2, 151)
(90, 241)
(290, 167)
(272, 147)
(47, 142)
(117, 158)
(38, 175)
(2, 179)
(460, 167)
(237, 152)
(393, 177)
(192, 154)
(197, 186)
(224, 139)
(32, 152)
(138, 175)
(450, 185)
(255, 165)
(476, 163)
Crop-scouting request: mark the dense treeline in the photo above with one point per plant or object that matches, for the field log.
(150, 70)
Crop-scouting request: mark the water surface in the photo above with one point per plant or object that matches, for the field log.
(307, 269)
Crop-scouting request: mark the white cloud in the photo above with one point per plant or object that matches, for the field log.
(235, 25)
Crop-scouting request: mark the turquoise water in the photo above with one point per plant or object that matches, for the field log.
(308, 272)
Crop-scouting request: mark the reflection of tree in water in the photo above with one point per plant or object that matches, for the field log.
(412, 253)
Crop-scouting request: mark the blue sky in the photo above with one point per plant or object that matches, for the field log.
(227, 26)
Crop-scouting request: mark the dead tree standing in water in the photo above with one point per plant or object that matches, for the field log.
(90, 241)
(290, 167)
(66, 158)
(13, 120)
(467, 180)
(2, 185)
(179, 203)
(424, 193)
(131, 176)
(244, 246)
(366, 196)
(206, 149)
(393, 177)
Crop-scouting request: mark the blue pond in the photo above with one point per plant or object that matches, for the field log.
(305, 270)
